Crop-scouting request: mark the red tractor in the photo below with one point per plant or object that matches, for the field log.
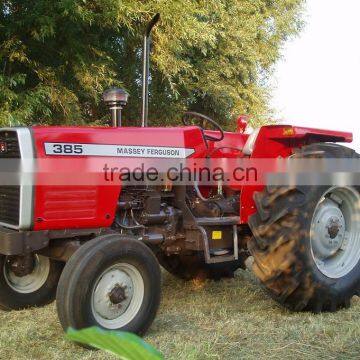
(98, 248)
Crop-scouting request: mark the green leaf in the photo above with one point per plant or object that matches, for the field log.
(126, 345)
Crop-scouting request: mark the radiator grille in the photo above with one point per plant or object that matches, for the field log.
(9, 195)
(9, 204)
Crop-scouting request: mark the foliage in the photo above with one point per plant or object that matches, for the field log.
(125, 345)
(212, 56)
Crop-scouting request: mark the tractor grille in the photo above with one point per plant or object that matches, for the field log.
(9, 195)
(9, 204)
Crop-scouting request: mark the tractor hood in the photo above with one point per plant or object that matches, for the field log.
(140, 142)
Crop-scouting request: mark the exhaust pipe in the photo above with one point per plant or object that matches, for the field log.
(146, 70)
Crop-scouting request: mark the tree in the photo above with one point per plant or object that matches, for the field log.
(213, 56)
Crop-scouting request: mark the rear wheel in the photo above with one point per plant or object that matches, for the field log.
(27, 281)
(113, 282)
(306, 243)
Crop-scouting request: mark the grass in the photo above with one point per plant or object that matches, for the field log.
(231, 319)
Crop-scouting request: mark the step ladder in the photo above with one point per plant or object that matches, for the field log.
(232, 221)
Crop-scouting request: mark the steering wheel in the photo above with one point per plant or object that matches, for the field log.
(191, 115)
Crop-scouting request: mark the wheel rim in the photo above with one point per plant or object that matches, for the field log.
(29, 283)
(117, 296)
(335, 232)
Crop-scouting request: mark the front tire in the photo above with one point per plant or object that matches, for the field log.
(113, 282)
(36, 288)
(306, 243)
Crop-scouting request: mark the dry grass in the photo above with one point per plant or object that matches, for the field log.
(231, 319)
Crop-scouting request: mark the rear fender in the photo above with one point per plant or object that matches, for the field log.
(299, 136)
(280, 141)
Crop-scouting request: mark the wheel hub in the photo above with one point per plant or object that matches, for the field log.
(117, 294)
(329, 230)
(21, 265)
(113, 294)
(334, 228)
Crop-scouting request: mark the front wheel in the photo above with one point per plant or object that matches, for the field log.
(27, 281)
(113, 282)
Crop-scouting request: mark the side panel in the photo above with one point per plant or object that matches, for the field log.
(71, 191)
(265, 148)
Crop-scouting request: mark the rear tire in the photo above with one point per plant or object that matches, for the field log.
(302, 260)
(35, 289)
(113, 282)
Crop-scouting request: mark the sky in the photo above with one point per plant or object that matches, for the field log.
(317, 81)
